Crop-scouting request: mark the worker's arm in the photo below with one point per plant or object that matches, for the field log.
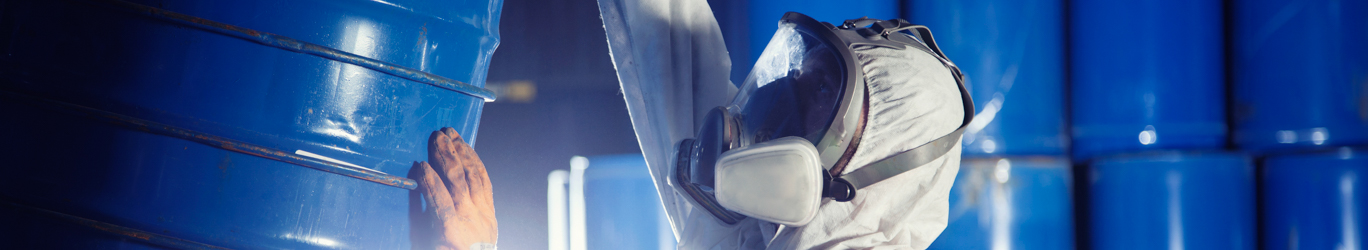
(457, 193)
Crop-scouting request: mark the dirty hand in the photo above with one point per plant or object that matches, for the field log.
(457, 191)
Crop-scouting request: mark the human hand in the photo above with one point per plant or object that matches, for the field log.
(460, 200)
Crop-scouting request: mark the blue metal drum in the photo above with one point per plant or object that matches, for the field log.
(1146, 75)
(622, 209)
(762, 18)
(1010, 203)
(1172, 200)
(1315, 200)
(238, 124)
(1301, 74)
(1011, 53)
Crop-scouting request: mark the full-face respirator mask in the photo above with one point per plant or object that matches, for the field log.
(780, 147)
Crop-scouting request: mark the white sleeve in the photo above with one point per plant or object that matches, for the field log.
(673, 68)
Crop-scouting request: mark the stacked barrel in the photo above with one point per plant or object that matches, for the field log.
(1178, 156)
(1193, 124)
(1014, 187)
(1149, 127)
(1300, 101)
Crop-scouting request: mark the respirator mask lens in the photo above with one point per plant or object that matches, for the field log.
(794, 89)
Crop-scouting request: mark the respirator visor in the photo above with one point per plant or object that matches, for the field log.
(794, 89)
(792, 116)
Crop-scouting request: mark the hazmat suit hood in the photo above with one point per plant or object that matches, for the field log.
(673, 67)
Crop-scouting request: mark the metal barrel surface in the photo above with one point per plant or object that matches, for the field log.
(236, 124)
(1301, 74)
(1012, 55)
(1146, 75)
(1314, 200)
(1010, 203)
(1172, 200)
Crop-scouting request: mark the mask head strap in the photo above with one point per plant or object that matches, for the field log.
(843, 188)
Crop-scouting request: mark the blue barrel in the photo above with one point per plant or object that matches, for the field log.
(1146, 75)
(1172, 200)
(1301, 74)
(762, 18)
(622, 209)
(238, 124)
(1010, 203)
(1315, 200)
(1011, 53)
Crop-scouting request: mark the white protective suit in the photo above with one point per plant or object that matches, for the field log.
(673, 67)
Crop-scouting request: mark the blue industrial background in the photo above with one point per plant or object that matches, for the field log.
(1135, 124)
(1209, 124)
(1101, 124)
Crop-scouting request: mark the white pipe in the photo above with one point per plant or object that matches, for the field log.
(578, 239)
(1001, 204)
(555, 210)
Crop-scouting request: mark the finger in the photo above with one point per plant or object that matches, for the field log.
(480, 192)
(442, 206)
(478, 181)
(481, 189)
(451, 133)
(438, 199)
(442, 153)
